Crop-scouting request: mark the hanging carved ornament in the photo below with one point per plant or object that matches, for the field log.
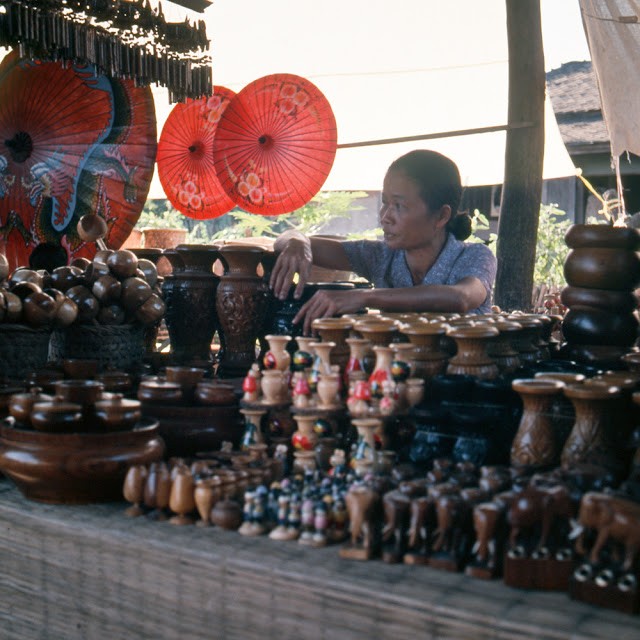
(123, 38)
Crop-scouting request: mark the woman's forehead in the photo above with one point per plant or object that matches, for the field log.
(398, 184)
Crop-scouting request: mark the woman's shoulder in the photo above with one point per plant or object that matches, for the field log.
(370, 248)
(476, 251)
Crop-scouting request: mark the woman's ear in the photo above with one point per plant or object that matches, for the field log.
(444, 215)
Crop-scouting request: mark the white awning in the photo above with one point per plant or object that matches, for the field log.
(409, 68)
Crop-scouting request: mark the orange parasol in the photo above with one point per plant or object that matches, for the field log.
(185, 157)
(275, 144)
(72, 142)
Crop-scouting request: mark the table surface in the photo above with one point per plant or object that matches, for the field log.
(90, 572)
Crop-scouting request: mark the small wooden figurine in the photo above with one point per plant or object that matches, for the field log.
(363, 505)
(605, 578)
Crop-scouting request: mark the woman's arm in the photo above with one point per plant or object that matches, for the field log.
(465, 295)
(297, 253)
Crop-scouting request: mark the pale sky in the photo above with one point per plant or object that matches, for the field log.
(409, 67)
(396, 69)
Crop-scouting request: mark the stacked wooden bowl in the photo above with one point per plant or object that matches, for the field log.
(602, 271)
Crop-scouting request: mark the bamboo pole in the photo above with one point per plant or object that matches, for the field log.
(524, 152)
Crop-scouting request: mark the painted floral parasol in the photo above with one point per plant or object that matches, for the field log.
(72, 142)
(185, 156)
(275, 144)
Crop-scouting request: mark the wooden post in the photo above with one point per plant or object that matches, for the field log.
(520, 206)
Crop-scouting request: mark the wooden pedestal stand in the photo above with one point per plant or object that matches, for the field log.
(589, 585)
(547, 574)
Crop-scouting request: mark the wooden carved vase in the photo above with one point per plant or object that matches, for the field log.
(535, 444)
(242, 301)
(190, 297)
(592, 439)
(471, 357)
(428, 358)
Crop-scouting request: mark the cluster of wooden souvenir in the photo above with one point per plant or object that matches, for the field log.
(307, 507)
(115, 288)
(326, 403)
(79, 401)
(327, 375)
(244, 491)
(574, 469)
(500, 521)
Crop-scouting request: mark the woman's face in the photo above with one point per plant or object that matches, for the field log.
(405, 218)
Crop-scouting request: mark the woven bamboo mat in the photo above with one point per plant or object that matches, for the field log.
(88, 572)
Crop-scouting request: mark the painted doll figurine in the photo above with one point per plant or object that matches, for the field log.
(259, 515)
(339, 519)
(301, 391)
(280, 531)
(246, 528)
(388, 403)
(251, 384)
(293, 523)
(306, 521)
(320, 524)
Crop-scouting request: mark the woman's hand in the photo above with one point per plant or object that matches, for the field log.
(294, 257)
(329, 303)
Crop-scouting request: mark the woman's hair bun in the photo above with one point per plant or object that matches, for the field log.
(460, 225)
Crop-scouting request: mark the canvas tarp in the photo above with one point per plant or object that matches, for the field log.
(612, 28)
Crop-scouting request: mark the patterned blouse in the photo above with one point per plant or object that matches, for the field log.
(387, 268)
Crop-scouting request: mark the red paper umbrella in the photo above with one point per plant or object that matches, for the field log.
(185, 157)
(275, 144)
(71, 143)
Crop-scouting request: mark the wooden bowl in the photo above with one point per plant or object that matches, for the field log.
(21, 404)
(57, 416)
(601, 268)
(602, 235)
(616, 301)
(83, 392)
(187, 430)
(117, 381)
(80, 368)
(159, 392)
(214, 392)
(75, 468)
(116, 413)
(184, 376)
(590, 325)
(6, 393)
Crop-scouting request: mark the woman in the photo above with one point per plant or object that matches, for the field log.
(422, 263)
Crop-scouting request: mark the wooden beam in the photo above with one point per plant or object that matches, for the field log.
(524, 153)
(433, 136)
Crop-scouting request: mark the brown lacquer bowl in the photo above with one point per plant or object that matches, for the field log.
(602, 235)
(75, 468)
(189, 429)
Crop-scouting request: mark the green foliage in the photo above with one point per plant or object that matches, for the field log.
(159, 214)
(309, 219)
(480, 222)
(551, 248)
